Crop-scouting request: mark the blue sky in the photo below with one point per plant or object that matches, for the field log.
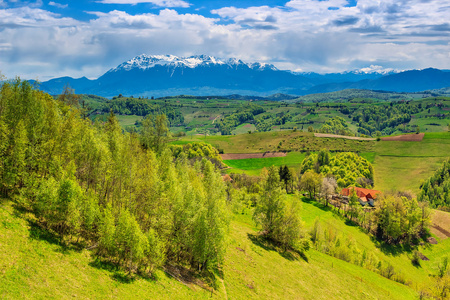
(44, 39)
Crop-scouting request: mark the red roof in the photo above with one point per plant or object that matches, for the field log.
(360, 192)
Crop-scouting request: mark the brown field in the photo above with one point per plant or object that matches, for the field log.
(251, 155)
(405, 138)
(343, 137)
(440, 224)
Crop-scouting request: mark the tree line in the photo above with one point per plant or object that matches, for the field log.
(123, 195)
(436, 189)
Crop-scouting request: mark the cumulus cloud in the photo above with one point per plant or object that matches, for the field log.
(162, 3)
(311, 35)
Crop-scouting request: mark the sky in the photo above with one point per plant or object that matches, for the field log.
(46, 39)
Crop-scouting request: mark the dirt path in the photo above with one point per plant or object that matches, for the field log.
(251, 155)
(343, 137)
(405, 138)
(215, 119)
(224, 288)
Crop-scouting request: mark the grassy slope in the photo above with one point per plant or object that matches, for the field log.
(248, 143)
(254, 165)
(403, 165)
(34, 267)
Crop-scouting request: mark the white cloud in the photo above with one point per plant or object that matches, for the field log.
(58, 5)
(161, 3)
(311, 35)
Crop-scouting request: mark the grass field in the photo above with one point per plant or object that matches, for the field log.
(244, 128)
(248, 143)
(254, 165)
(33, 265)
(397, 165)
(125, 120)
(403, 165)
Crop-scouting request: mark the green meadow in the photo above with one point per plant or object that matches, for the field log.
(253, 166)
(252, 268)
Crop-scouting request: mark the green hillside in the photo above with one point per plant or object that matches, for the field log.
(35, 266)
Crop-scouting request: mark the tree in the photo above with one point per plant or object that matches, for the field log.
(285, 176)
(353, 204)
(270, 206)
(323, 158)
(4, 145)
(399, 218)
(279, 220)
(69, 97)
(329, 186)
(16, 161)
(154, 132)
(311, 182)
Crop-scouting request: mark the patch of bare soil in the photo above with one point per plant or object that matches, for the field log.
(423, 257)
(186, 276)
(252, 155)
(247, 126)
(440, 232)
(405, 138)
(343, 137)
(440, 224)
(432, 240)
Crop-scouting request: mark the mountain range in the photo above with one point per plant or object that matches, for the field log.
(200, 75)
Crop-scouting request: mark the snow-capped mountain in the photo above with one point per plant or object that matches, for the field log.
(202, 75)
(374, 69)
(144, 62)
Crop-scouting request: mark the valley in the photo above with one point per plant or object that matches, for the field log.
(343, 253)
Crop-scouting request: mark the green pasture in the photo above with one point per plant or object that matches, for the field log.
(244, 128)
(128, 120)
(430, 124)
(292, 159)
(404, 165)
(248, 143)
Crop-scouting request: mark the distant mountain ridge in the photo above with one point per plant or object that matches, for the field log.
(200, 75)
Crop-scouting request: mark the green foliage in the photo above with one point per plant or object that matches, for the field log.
(400, 218)
(336, 125)
(137, 207)
(197, 150)
(244, 114)
(436, 189)
(279, 220)
(311, 182)
(346, 167)
(155, 132)
(142, 107)
(383, 118)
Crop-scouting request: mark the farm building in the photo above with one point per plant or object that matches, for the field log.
(365, 196)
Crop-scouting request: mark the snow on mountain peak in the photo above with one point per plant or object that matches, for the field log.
(376, 69)
(144, 62)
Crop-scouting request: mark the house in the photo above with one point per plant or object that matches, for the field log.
(365, 196)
